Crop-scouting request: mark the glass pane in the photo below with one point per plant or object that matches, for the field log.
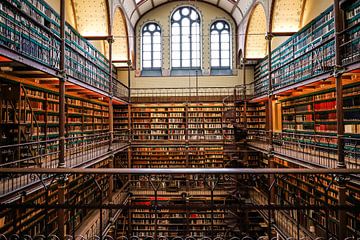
(176, 47)
(146, 64)
(219, 25)
(215, 62)
(225, 54)
(157, 47)
(214, 38)
(215, 54)
(185, 22)
(147, 48)
(195, 54)
(175, 55)
(175, 39)
(152, 27)
(185, 11)
(225, 46)
(225, 36)
(157, 55)
(215, 46)
(147, 38)
(225, 63)
(177, 15)
(147, 55)
(195, 46)
(194, 16)
(195, 29)
(185, 63)
(186, 55)
(186, 44)
(176, 63)
(175, 29)
(157, 63)
(185, 31)
(196, 62)
(157, 37)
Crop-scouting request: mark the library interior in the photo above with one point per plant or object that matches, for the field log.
(179, 119)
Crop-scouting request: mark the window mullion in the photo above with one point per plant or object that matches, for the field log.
(181, 43)
(220, 56)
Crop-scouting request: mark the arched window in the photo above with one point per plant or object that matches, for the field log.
(151, 46)
(185, 38)
(220, 45)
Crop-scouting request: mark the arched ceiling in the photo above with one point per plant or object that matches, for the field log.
(119, 30)
(255, 44)
(92, 17)
(136, 8)
(286, 15)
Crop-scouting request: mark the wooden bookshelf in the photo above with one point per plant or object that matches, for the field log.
(179, 122)
(315, 113)
(177, 222)
(34, 221)
(35, 113)
(42, 31)
(311, 51)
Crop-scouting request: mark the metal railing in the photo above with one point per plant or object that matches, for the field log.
(313, 149)
(287, 210)
(27, 37)
(80, 151)
(202, 93)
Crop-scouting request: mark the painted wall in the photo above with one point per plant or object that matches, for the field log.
(70, 16)
(313, 8)
(161, 15)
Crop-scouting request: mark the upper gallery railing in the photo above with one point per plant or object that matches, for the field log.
(311, 52)
(32, 29)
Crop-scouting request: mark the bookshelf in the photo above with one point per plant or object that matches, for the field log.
(255, 117)
(35, 221)
(179, 122)
(315, 113)
(177, 222)
(311, 51)
(178, 156)
(301, 189)
(34, 23)
(35, 112)
(121, 117)
(351, 45)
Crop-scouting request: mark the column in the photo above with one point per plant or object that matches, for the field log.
(271, 195)
(62, 120)
(111, 110)
(341, 181)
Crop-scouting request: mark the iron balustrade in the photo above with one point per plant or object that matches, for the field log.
(309, 54)
(312, 149)
(24, 36)
(288, 211)
(182, 94)
(80, 152)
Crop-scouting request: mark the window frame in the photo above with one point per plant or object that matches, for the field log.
(220, 58)
(181, 68)
(152, 68)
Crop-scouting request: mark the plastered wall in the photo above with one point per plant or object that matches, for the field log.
(162, 15)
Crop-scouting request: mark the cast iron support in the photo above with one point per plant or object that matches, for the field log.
(340, 120)
(111, 94)
(62, 120)
(268, 38)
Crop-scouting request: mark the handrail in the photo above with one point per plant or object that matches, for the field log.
(174, 171)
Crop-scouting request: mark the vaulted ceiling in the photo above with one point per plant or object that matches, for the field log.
(136, 8)
(119, 17)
